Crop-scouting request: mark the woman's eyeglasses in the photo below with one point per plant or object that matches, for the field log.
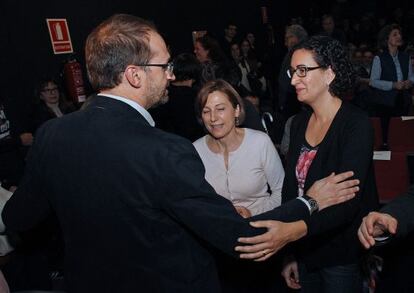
(50, 90)
(301, 70)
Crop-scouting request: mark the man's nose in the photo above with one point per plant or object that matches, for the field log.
(170, 76)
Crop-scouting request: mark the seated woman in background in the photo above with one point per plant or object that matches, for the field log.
(214, 62)
(250, 63)
(240, 162)
(254, 82)
(51, 103)
(243, 166)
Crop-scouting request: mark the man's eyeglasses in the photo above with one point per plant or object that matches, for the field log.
(168, 67)
(301, 70)
(51, 90)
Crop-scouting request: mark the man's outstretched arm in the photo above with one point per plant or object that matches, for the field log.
(328, 191)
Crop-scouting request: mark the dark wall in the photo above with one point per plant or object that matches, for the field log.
(26, 52)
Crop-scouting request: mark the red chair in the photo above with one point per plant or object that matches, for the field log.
(376, 124)
(401, 134)
(392, 176)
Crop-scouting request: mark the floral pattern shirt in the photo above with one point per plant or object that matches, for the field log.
(307, 154)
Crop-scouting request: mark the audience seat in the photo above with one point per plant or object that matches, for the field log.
(410, 162)
(401, 134)
(392, 176)
(376, 124)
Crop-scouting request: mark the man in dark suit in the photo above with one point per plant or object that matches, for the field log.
(394, 218)
(135, 210)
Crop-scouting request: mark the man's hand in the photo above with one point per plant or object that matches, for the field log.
(290, 273)
(244, 212)
(374, 225)
(279, 234)
(333, 189)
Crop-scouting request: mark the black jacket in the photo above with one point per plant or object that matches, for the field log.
(347, 146)
(135, 210)
(402, 208)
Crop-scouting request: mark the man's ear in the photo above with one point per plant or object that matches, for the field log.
(134, 75)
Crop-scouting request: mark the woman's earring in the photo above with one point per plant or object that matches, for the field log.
(237, 121)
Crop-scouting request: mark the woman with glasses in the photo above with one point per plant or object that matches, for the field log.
(328, 136)
(50, 103)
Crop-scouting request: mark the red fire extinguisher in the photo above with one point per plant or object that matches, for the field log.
(74, 81)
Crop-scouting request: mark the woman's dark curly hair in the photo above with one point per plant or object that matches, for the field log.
(328, 52)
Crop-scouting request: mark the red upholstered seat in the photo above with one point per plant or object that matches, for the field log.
(401, 134)
(392, 176)
(376, 124)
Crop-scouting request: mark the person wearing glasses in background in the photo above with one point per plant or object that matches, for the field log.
(329, 135)
(50, 102)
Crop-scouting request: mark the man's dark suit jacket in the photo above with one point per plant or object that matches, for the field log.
(135, 210)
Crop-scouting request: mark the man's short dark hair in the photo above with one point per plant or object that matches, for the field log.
(119, 41)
